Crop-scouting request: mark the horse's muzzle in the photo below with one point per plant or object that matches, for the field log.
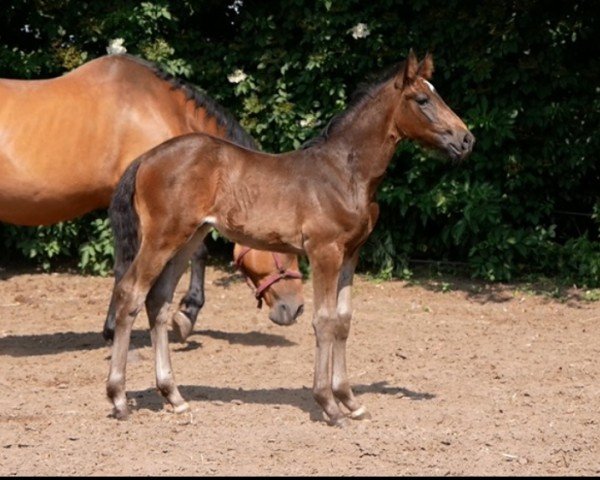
(285, 314)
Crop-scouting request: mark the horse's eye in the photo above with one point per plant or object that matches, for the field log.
(422, 99)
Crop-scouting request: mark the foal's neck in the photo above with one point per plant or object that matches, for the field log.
(366, 139)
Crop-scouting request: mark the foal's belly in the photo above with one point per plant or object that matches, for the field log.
(260, 235)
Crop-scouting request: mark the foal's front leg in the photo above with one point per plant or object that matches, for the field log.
(325, 265)
(340, 384)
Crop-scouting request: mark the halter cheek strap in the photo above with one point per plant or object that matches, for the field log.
(280, 274)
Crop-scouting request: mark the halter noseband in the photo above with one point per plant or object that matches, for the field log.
(281, 273)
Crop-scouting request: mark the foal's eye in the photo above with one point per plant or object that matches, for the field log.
(422, 99)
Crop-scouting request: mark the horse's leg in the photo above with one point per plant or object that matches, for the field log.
(157, 305)
(325, 265)
(108, 332)
(189, 307)
(340, 384)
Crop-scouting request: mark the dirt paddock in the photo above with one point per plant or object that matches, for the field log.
(461, 378)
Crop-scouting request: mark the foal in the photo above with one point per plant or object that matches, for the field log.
(318, 201)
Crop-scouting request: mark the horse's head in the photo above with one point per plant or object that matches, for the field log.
(423, 116)
(276, 279)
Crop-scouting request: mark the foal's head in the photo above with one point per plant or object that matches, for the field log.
(423, 116)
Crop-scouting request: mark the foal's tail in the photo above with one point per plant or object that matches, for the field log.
(125, 223)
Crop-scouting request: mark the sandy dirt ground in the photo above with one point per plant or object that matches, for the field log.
(461, 378)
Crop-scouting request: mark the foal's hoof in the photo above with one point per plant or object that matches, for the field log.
(360, 413)
(120, 413)
(182, 326)
(340, 422)
(184, 407)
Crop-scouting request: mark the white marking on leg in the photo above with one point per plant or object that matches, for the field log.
(359, 412)
(181, 408)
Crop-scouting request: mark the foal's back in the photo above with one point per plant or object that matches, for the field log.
(244, 192)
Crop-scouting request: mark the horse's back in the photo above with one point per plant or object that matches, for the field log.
(65, 141)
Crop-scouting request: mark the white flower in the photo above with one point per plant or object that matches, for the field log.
(237, 76)
(115, 46)
(360, 30)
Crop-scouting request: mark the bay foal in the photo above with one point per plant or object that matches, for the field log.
(318, 201)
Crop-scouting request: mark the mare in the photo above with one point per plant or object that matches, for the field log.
(66, 141)
(318, 201)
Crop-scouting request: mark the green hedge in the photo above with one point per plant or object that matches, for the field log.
(522, 74)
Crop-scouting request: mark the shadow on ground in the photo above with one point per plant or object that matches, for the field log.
(60, 342)
(301, 398)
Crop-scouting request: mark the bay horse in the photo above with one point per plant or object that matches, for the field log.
(66, 141)
(318, 201)
(261, 276)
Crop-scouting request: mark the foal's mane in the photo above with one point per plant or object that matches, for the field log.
(364, 91)
(235, 132)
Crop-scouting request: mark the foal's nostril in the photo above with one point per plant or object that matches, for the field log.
(468, 141)
(299, 312)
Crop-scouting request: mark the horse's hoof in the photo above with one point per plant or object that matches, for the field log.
(182, 326)
(360, 413)
(108, 335)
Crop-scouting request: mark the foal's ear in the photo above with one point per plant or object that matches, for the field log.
(409, 73)
(426, 67)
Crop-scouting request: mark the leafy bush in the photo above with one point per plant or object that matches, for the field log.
(523, 75)
(89, 239)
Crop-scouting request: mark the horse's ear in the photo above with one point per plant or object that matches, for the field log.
(426, 67)
(409, 73)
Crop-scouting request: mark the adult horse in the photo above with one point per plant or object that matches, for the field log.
(66, 141)
(318, 201)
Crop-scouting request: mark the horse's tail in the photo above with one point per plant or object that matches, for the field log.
(124, 221)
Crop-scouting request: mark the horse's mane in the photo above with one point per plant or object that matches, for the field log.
(235, 132)
(363, 91)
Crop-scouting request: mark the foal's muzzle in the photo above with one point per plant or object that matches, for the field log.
(459, 145)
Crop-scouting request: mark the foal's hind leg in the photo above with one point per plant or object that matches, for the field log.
(157, 306)
(129, 299)
(130, 294)
(189, 307)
